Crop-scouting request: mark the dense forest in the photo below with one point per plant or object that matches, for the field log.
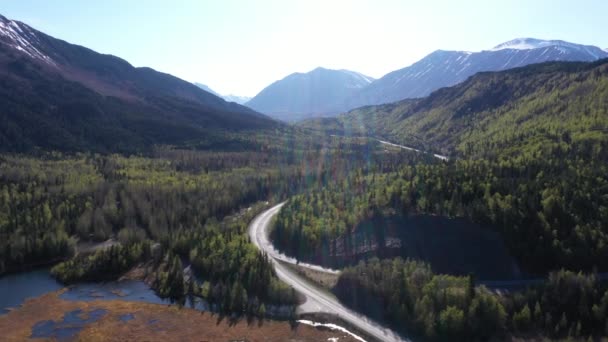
(530, 147)
(169, 211)
(529, 160)
(442, 307)
(552, 213)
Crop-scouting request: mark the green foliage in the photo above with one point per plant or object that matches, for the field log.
(237, 276)
(551, 211)
(520, 113)
(522, 320)
(104, 264)
(439, 307)
(169, 280)
(413, 299)
(532, 164)
(188, 205)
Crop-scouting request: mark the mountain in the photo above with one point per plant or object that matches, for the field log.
(553, 106)
(300, 95)
(207, 89)
(56, 95)
(446, 68)
(230, 98)
(238, 99)
(324, 92)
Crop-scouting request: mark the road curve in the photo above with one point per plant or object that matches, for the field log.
(261, 240)
(317, 300)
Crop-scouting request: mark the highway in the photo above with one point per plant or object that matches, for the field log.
(317, 299)
(439, 156)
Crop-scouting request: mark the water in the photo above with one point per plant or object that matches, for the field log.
(15, 288)
(73, 322)
(130, 290)
(127, 317)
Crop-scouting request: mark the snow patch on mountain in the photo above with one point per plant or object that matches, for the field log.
(559, 45)
(21, 38)
(230, 98)
(364, 78)
(236, 98)
(526, 44)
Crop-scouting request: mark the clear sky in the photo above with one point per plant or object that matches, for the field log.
(239, 47)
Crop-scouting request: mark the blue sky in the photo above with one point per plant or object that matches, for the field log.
(240, 47)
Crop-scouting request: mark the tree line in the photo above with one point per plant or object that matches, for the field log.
(551, 212)
(414, 300)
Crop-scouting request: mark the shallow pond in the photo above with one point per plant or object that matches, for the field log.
(16, 288)
(73, 322)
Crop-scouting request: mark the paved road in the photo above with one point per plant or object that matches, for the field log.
(261, 240)
(411, 149)
(317, 300)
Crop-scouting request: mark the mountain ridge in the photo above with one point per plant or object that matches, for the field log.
(443, 68)
(495, 113)
(207, 89)
(63, 96)
(440, 68)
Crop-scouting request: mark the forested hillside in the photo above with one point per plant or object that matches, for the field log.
(528, 159)
(530, 148)
(527, 111)
(58, 96)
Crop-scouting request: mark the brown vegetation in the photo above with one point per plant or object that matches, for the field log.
(152, 322)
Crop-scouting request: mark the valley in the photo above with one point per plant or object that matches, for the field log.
(460, 198)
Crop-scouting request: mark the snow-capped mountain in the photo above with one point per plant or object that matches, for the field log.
(300, 95)
(445, 68)
(63, 96)
(531, 44)
(21, 37)
(230, 98)
(236, 98)
(206, 88)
